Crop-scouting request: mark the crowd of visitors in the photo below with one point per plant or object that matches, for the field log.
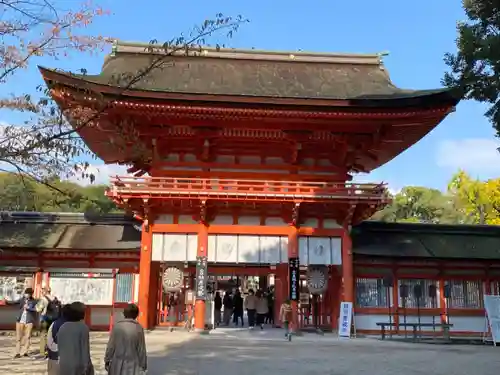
(65, 338)
(258, 305)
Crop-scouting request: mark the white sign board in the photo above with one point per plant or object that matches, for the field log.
(90, 291)
(345, 319)
(492, 307)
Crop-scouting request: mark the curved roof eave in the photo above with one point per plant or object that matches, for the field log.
(403, 98)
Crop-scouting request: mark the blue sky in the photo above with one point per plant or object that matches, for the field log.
(416, 34)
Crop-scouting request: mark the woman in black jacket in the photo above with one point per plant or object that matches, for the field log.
(237, 308)
(227, 302)
(217, 308)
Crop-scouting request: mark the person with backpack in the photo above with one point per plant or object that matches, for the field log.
(286, 318)
(49, 309)
(52, 348)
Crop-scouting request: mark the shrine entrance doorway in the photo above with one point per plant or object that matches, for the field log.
(175, 281)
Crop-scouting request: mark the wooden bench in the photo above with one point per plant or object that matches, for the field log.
(416, 327)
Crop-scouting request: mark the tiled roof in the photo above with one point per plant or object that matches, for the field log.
(251, 73)
(373, 238)
(68, 231)
(370, 238)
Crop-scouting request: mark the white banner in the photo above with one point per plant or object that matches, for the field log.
(492, 307)
(345, 319)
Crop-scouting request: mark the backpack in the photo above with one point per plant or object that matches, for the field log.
(53, 311)
(287, 312)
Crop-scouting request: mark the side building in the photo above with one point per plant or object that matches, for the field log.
(95, 259)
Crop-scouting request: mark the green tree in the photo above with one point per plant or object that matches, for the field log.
(478, 201)
(420, 205)
(21, 193)
(475, 67)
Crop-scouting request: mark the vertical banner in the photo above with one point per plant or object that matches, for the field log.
(492, 307)
(294, 278)
(201, 277)
(345, 320)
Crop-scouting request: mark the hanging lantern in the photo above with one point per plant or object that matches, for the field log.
(172, 279)
(317, 279)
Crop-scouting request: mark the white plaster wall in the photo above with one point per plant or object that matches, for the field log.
(275, 222)
(165, 219)
(368, 321)
(466, 323)
(330, 224)
(249, 220)
(460, 324)
(423, 319)
(222, 220)
(311, 223)
(186, 219)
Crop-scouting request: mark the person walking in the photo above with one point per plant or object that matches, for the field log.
(270, 306)
(217, 308)
(52, 348)
(227, 302)
(262, 309)
(238, 308)
(26, 319)
(49, 309)
(286, 318)
(126, 350)
(73, 343)
(251, 307)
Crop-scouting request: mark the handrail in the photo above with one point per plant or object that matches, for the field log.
(223, 187)
(147, 179)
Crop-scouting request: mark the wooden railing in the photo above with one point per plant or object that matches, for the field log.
(233, 189)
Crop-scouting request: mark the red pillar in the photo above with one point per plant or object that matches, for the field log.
(280, 288)
(154, 287)
(199, 307)
(347, 268)
(293, 252)
(38, 283)
(145, 277)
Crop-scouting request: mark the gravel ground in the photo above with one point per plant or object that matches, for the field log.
(240, 352)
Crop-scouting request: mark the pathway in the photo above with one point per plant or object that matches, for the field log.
(233, 351)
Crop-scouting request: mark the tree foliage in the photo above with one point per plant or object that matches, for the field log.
(45, 147)
(467, 201)
(475, 67)
(40, 147)
(480, 200)
(418, 204)
(21, 193)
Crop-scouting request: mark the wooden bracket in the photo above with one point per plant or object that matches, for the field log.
(295, 216)
(348, 218)
(146, 215)
(295, 154)
(205, 152)
(205, 214)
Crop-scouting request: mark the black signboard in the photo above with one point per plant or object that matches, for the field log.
(201, 278)
(294, 278)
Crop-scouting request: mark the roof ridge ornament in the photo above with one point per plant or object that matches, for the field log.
(114, 47)
(252, 54)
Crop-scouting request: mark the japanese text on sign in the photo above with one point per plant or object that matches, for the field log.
(294, 275)
(345, 319)
(201, 277)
